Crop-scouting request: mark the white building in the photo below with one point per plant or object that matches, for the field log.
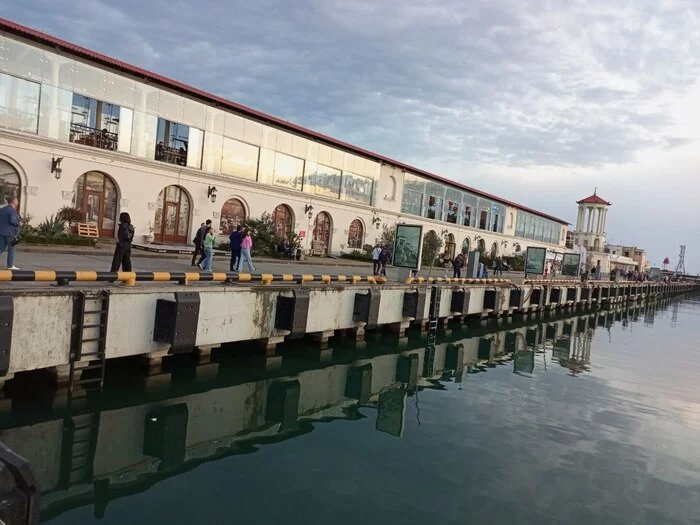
(591, 234)
(127, 139)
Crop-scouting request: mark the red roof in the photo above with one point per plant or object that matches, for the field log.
(54, 42)
(594, 199)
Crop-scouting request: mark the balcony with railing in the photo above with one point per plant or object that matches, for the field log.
(97, 138)
(171, 155)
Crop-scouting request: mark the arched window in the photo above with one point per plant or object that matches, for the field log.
(517, 248)
(95, 194)
(232, 214)
(482, 246)
(450, 247)
(283, 220)
(466, 245)
(10, 184)
(322, 233)
(356, 235)
(494, 250)
(172, 217)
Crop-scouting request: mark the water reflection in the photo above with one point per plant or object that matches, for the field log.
(147, 429)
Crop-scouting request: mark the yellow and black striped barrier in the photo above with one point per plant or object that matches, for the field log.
(454, 280)
(131, 278)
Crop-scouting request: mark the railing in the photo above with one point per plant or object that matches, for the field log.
(97, 138)
(63, 277)
(171, 155)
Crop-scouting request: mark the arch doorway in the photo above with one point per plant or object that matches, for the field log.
(232, 214)
(596, 244)
(172, 216)
(450, 247)
(322, 233)
(283, 221)
(95, 194)
(482, 246)
(466, 245)
(494, 250)
(10, 183)
(356, 235)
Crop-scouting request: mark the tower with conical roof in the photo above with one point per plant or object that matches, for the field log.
(590, 224)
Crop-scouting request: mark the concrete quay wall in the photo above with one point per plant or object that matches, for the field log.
(45, 328)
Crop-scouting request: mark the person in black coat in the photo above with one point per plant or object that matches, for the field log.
(235, 239)
(122, 252)
(199, 244)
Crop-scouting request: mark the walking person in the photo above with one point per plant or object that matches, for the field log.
(199, 243)
(376, 265)
(208, 244)
(499, 267)
(384, 258)
(9, 230)
(235, 239)
(122, 252)
(246, 247)
(457, 265)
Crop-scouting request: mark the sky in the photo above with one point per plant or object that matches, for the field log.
(536, 101)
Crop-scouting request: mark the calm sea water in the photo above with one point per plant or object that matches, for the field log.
(579, 420)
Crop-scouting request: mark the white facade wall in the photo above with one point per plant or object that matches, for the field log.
(139, 179)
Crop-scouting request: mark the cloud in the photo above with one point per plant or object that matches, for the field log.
(479, 91)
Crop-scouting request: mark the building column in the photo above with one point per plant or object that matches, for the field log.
(605, 218)
(589, 227)
(579, 219)
(598, 219)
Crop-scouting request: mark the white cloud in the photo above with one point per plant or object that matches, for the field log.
(535, 100)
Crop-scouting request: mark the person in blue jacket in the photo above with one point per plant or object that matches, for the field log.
(9, 230)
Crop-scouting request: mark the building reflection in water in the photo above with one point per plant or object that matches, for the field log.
(155, 427)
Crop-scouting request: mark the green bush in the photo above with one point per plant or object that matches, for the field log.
(357, 255)
(68, 240)
(431, 247)
(51, 228)
(70, 215)
(223, 246)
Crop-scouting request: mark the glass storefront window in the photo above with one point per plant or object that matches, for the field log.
(19, 104)
(434, 207)
(143, 140)
(288, 171)
(412, 202)
(94, 123)
(239, 159)
(213, 151)
(453, 199)
(451, 211)
(172, 142)
(322, 180)
(498, 213)
(55, 113)
(357, 188)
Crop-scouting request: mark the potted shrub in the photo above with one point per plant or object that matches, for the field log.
(71, 216)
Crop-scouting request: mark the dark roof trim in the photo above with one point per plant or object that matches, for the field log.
(51, 41)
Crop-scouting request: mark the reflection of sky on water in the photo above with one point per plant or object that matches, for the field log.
(614, 445)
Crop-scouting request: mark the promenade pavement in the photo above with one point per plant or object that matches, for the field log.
(34, 258)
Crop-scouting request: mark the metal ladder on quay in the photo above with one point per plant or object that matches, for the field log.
(85, 384)
(433, 319)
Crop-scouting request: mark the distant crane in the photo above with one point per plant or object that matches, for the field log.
(680, 267)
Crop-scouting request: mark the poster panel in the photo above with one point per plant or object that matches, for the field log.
(534, 260)
(407, 246)
(570, 264)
